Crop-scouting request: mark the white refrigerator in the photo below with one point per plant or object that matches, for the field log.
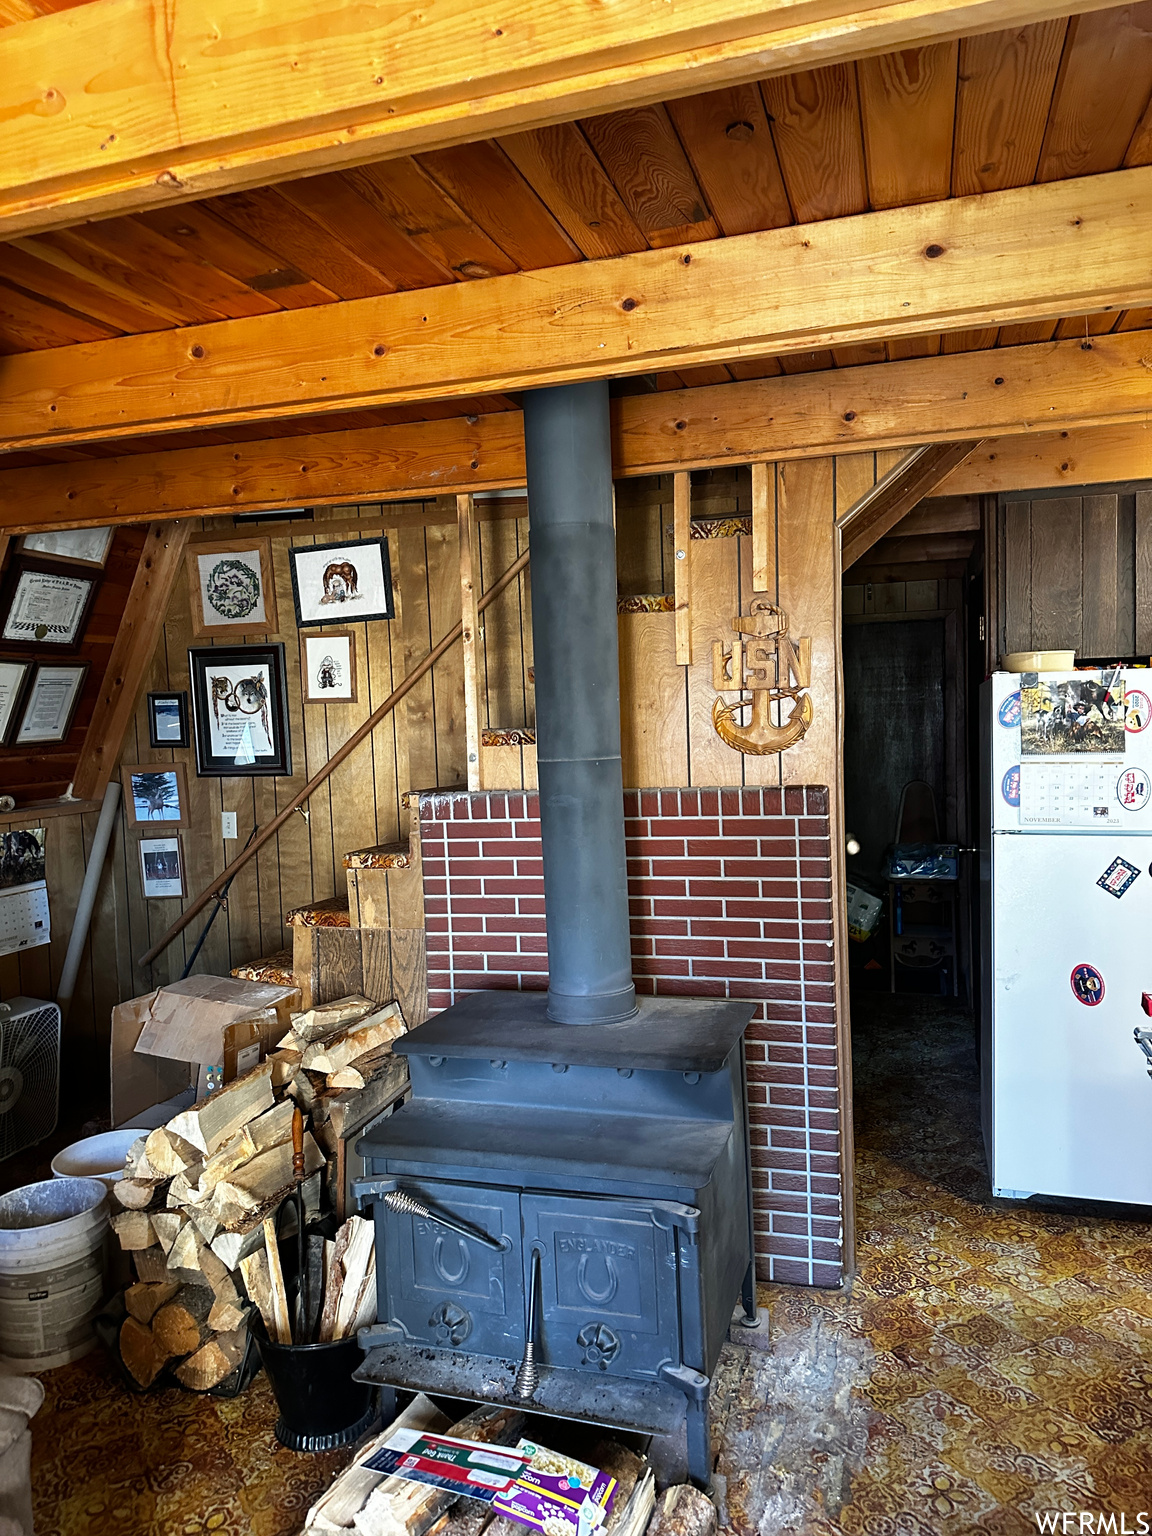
(1066, 952)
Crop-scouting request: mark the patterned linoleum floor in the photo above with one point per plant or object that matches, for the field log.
(991, 1361)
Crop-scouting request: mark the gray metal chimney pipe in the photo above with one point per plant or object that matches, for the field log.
(568, 449)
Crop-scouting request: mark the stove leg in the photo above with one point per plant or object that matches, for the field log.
(387, 1405)
(699, 1443)
(751, 1318)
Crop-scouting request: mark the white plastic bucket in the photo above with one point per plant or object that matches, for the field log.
(96, 1157)
(52, 1237)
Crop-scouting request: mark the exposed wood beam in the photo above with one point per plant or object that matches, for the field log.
(1010, 391)
(116, 106)
(895, 494)
(1026, 253)
(1087, 456)
(470, 634)
(140, 626)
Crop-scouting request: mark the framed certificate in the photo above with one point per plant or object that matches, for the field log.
(45, 606)
(240, 710)
(14, 679)
(73, 546)
(168, 720)
(51, 703)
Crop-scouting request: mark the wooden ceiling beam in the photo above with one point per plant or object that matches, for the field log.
(894, 495)
(1049, 386)
(1056, 249)
(115, 107)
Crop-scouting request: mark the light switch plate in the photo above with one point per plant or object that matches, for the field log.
(227, 824)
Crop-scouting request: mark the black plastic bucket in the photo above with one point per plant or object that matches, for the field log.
(321, 1407)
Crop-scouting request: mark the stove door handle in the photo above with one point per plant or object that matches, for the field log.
(403, 1202)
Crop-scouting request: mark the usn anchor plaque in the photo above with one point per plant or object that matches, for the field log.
(776, 671)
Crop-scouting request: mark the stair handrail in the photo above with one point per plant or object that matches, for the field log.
(398, 693)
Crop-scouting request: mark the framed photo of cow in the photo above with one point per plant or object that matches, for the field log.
(342, 583)
(240, 711)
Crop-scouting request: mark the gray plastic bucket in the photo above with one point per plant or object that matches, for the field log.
(52, 1241)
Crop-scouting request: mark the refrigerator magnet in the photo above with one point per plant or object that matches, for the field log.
(1010, 786)
(1009, 712)
(1117, 877)
(1088, 985)
(1132, 789)
(1137, 710)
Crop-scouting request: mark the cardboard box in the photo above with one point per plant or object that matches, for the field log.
(161, 1042)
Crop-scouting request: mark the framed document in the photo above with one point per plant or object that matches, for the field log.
(240, 710)
(232, 587)
(45, 606)
(72, 546)
(14, 679)
(161, 866)
(155, 794)
(328, 667)
(168, 720)
(337, 583)
(51, 703)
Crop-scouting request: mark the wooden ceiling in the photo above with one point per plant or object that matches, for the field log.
(1055, 100)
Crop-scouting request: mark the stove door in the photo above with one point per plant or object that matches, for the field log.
(608, 1283)
(448, 1291)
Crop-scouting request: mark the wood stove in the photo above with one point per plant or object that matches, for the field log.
(563, 1207)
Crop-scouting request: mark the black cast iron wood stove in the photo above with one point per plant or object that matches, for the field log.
(563, 1207)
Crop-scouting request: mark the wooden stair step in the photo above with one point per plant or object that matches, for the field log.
(383, 856)
(276, 969)
(331, 913)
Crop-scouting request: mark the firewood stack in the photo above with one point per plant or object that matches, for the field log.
(199, 1197)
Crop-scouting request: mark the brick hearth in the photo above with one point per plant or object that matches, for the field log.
(730, 896)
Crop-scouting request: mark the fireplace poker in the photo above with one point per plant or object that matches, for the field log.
(527, 1374)
(301, 1253)
(404, 1203)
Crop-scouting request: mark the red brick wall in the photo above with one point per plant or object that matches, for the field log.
(730, 896)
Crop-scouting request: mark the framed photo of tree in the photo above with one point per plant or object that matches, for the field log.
(155, 795)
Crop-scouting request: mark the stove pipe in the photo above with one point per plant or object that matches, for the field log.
(568, 448)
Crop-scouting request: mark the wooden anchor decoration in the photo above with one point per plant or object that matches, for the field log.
(762, 661)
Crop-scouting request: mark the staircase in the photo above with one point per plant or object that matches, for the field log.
(367, 939)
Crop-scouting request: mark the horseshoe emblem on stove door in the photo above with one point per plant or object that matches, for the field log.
(450, 1277)
(599, 1297)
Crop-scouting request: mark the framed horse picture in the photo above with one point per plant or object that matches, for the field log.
(240, 711)
(342, 583)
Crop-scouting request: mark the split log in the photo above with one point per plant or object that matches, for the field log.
(231, 1247)
(208, 1124)
(143, 1301)
(205, 1220)
(268, 1130)
(325, 1019)
(140, 1195)
(264, 1176)
(337, 1508)
(226, 1316)
(150, 1265)
(626, 1467)
(277, 1288)
(213, 1362)
(379, 1029)
(683, 1511)
(285, 1065)
(632, 1518)
(134, 1229)
(304, 1089)
(400, 1508)
(169, 1153)
(358, 1258)
(257, 1277)
(184, 1253)
(184, 1189)
(166, 1225)
(137, 1164)
(333, 1281)
(139, 1351)
(181, 1327)
(360, 1072)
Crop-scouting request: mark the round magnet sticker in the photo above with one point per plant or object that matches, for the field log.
(1137, 710)
(1088, 985)
(1010, 786)
(1132, 789)
(1009, 711)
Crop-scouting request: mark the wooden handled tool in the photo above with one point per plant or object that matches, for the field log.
(301, 1247)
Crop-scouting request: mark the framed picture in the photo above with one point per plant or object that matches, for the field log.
(240, 710)
(232, 587)
(328, 667)
(334, 582)
(45, 606)
(168, 720)
(161, 866)
(14, 679)
(50, 704)
(71, 546)
(155, 794)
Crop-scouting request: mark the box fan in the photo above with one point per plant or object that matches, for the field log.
(29, 1073)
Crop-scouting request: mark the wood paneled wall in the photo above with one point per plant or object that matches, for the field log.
(1075, 573)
